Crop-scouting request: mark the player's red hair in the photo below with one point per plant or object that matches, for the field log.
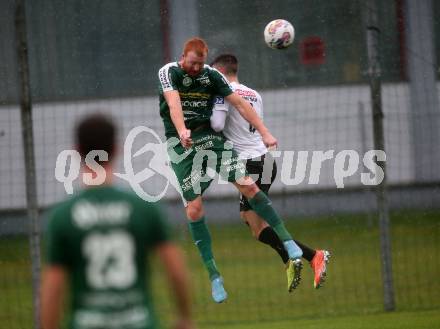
(197, 45)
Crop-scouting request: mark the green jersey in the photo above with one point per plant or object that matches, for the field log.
(197, 94)
(102, 236)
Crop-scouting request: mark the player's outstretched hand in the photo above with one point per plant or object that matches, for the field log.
(184, 324)
(185, 138)
(270, 141)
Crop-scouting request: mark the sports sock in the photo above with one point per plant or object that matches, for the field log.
(202, 239)
(261, 204)
(308, 253)
(292, 249)
(269, 237)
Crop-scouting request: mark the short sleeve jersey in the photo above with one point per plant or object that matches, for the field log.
(103, 237)
(246, 139)
(196, 94)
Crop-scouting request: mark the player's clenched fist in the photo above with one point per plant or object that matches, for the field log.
(270, 141)
(185, 138)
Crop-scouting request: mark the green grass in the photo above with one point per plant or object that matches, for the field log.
(394, 320)
(255, 279)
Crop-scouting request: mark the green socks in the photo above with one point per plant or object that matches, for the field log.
(202, 239)
(261, 204)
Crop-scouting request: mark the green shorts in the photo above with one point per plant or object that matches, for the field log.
(197, 166)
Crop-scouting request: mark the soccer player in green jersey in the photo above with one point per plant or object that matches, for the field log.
(187, 92)
(99, 242)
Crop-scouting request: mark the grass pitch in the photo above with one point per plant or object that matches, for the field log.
(255, 279)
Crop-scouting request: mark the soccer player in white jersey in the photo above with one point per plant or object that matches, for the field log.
(249, 145)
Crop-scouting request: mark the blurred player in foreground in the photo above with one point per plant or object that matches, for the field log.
(187, 94)
(248, 143)
(98, 242)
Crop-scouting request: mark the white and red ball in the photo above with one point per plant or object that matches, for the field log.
(279, 34)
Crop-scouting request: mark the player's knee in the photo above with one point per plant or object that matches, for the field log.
(194, 210)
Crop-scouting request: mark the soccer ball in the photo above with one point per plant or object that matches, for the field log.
(279, 34)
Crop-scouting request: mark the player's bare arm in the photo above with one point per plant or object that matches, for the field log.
(173, 100)
(52, 291)
(250, 116)
(177, 274)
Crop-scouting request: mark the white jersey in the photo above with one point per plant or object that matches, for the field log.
(246, 139)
